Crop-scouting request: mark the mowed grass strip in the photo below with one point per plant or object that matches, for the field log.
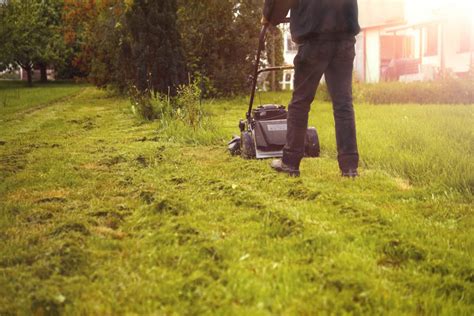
(16, 97)
(104, 214)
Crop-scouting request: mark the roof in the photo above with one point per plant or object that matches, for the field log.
(414, 25)
(385, 25)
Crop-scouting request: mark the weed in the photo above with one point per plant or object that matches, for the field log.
(188, 104)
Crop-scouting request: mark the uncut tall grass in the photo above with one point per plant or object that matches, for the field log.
(425, 144)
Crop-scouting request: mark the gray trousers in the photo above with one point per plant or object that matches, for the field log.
(335, 60)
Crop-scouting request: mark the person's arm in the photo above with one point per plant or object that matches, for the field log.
(267, 11)
(275, 11)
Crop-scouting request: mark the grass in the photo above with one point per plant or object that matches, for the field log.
(16, 96)
(101, 213)
(425, 145)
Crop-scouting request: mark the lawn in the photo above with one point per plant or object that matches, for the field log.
(102, 213)
(16, 97)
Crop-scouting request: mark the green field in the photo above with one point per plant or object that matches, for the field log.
(17, 99)
(101, 213)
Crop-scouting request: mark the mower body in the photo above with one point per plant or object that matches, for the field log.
(267, 131)
(263, 135)
(263, 132)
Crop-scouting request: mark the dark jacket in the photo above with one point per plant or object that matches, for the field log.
(319, 19)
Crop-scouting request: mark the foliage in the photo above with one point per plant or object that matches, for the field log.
(185, 106)
(274, 56)
(150, 106)
(188, 104)
(220, 39)
(30, 34)
(128, 43)
(104, 214)
(95, 31)
(156, 50)
(10, 74)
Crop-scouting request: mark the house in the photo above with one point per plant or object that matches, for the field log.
(430, 38)
(36, 74)
(289, 52)
(374, 47)
(408, 40)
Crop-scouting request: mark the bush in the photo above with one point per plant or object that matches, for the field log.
(186, 106)
(10, 75)
(148, 105)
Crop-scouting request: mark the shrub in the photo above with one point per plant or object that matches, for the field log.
(149, 106)
(188, 104)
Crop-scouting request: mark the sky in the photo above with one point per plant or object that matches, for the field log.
(376, 12)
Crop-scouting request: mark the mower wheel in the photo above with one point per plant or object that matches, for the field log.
(234, 146)
(247, 144)
(312, 148)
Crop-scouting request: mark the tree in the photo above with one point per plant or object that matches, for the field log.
(54, 51)
(96, 34)
(124, 43)
(151, 44)
(274, 55)
(30, 34)
(155, 43)
(5, 43)
(220, 39)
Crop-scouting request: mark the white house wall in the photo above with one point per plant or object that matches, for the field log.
(449, 14)
(359, 59)
(372, 45)
(454, 60)
(435, 60)
(289, 56)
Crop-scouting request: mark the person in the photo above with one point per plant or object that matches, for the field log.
(325, 32)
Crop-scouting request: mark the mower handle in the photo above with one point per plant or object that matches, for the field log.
(261, 45)
(257, 71)
(270, 69)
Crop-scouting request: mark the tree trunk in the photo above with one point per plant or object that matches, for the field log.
(29, 75)
(43, 72)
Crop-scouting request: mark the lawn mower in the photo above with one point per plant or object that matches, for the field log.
(263, 131)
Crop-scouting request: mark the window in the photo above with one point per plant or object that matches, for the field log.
(431, 48)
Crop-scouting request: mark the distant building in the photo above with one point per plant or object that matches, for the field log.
(289, 52)
(430, 37)
(408, 40)
(36, 74)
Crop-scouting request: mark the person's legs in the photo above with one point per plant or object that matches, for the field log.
(310, 64)
(339, 80)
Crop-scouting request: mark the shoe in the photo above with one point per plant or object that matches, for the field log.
(279, 166)
(350, 173)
